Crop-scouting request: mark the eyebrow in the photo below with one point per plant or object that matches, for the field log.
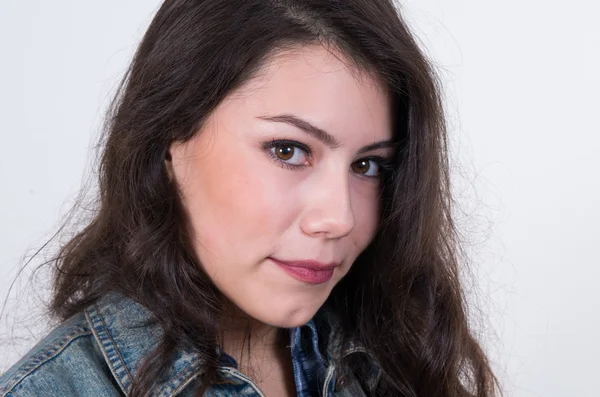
(319, 133)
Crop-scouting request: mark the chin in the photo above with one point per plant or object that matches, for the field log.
(295, 322)
(288, 318)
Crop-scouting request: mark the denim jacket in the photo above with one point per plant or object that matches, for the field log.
(99, 351)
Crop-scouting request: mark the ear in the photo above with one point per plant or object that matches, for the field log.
(169, 161)
(174, 159)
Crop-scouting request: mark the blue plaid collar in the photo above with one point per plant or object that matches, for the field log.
(311, 362)
(309, 365)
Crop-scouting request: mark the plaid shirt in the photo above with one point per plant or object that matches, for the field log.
(309, 365)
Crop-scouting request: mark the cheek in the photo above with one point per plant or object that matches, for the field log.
(366, 202)
(236, 207)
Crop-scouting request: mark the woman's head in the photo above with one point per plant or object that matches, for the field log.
(213, 172)
(260, 186)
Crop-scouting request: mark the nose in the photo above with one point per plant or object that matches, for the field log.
(328, 211)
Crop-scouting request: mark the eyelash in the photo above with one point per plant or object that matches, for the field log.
(385, 165)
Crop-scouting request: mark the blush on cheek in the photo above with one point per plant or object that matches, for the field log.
(245, 201)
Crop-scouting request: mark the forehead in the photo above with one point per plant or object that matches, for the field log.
(322, 86)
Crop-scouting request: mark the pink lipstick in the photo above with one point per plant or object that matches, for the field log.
(311, 272)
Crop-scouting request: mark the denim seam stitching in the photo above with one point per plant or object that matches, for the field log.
(328, 380)
(43, 357)
(181, 382)
(239, 375)
(95, 318)
(373, 379)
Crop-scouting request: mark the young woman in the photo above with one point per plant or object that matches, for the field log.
(273, 218)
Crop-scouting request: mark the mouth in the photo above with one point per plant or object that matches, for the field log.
(311, 272)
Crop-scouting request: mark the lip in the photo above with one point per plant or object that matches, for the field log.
(311, 272)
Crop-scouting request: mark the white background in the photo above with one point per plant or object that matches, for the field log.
(522, 85)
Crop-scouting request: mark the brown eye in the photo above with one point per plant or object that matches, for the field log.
(289, 153)
(365, 167)
(284, 152)
(360, 166)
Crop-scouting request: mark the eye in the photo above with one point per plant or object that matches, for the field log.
(289, 153)
(367, 167)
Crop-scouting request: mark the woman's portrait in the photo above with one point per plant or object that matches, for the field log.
(270, 212)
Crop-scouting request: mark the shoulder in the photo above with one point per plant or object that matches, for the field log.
(98, 352)
(64, 363)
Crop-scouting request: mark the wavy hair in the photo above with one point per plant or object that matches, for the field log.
(402, 297)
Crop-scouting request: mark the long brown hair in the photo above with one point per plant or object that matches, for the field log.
(402, 297)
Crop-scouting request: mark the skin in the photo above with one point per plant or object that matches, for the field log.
(246, 206)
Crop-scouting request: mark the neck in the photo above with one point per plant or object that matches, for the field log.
(251, 342)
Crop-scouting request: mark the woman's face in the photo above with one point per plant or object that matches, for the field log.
(281, 183)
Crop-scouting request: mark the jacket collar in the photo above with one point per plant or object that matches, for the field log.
(330, 325)
(127, 335)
